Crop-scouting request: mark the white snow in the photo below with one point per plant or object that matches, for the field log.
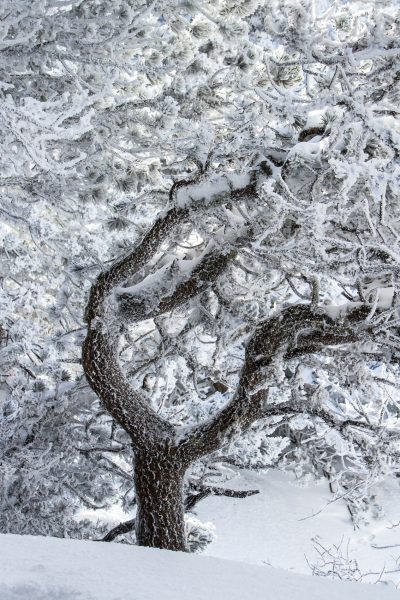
(207, 191)
(383, 300)
(277, 525)
(38, 568)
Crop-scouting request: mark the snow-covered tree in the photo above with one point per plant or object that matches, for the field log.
(231, 168)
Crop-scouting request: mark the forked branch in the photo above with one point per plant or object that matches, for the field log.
(100, 357)
(297, 330)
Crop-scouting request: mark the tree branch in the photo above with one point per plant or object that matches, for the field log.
(134, 308)
(204, 492)
(120, 529)
(296, 331)
(99, 357)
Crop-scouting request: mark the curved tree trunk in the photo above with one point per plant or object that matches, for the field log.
(163, 451)
(160, 519)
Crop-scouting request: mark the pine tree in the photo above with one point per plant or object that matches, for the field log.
(231, 171)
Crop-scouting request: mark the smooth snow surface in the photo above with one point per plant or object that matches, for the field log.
(38, 568)
(277, 525)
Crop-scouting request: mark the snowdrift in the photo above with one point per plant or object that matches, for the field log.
(38, 568)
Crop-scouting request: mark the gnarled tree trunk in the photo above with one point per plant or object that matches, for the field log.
(163, 452)
(160, 517)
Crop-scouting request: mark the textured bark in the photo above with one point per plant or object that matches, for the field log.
(297, 331)
(103, 372)
(160, 518)
(124, 527)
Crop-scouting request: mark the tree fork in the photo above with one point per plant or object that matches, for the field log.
(162, 452)
(159, 465)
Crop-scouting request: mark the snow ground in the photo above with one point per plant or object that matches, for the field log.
(37, 568)
(276, 527)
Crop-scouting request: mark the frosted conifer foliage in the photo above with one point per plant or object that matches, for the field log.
(232, 170)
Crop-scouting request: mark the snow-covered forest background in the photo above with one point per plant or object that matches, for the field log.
(199, 278)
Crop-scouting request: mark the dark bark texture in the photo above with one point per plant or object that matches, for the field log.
(160, 518)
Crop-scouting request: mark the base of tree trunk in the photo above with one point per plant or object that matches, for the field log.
(160, 517)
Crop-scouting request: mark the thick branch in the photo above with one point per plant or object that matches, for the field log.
(100, 359)
(120, 529)
(133, 262)
(296, 331)
(204, 492)
(135, 308)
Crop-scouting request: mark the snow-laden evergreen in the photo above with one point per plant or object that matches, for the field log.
(271, 130)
